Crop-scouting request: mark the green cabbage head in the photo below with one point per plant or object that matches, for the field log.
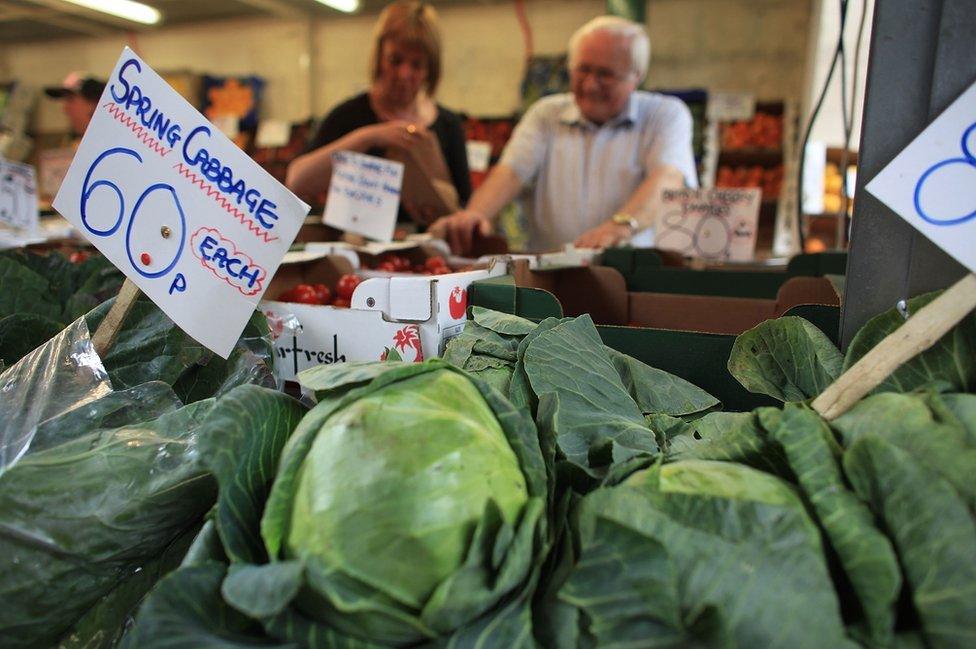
(411, 505)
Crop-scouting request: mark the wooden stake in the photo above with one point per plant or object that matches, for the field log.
(108, 330)
(920, 331)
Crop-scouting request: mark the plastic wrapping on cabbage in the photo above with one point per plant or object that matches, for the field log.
(103, 490)
(62, 374)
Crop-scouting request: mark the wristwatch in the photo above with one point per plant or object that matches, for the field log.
(626, 219)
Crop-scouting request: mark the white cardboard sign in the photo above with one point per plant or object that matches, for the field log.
(932, 182)
(364, 195)
(185, 214)
(479, 155)
(731, 106)
(18, 197)
(710, 223)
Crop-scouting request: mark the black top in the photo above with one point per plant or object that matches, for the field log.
(357, 112)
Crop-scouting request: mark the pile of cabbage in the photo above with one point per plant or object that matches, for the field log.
(535, 488)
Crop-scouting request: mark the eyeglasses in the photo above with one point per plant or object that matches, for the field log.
(603, 76)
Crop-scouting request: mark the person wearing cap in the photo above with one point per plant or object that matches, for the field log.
(79, 95)
(593, 162)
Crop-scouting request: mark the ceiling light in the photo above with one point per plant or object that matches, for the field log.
(134, 11)
(347, 6)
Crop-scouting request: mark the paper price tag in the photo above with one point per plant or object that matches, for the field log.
(479, 155)
(715, 224)
(932, 182)
(18, 197)
(364, 195)
(731, 106)
(272, 133)
(185, 214)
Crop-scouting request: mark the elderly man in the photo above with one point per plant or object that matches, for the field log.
(595, 160)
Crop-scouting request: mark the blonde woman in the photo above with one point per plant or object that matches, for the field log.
(396, 111)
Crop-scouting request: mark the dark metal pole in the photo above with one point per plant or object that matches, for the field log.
(923, 56)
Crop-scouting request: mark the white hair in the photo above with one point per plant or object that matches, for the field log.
(638, 42)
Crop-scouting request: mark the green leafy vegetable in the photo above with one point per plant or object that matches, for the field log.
(787, 358)
(408, 506)
(865, 553)
(701, 553)
(949, 365)
(596, 421)
(932, 530)
(132, 491)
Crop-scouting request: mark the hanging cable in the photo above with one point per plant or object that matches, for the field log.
(847, 192)
(813, 118)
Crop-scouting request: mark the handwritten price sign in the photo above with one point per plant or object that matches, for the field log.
(18, 197)
(196, 224)
(364, 195)
(715, 224)
(932, 183)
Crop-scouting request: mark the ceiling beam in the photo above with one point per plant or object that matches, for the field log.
(11, 13)
(277, 8)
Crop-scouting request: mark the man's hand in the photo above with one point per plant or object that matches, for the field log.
(459, 229)
(604, 235)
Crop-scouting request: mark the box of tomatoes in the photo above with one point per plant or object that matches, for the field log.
(390, 259)
(321, 312)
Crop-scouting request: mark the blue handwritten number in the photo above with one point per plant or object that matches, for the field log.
(969, 160)
(699, 234)
(132, 220)
(89, 187)
(86, 192)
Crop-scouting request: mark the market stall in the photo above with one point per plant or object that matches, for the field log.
(231, 417)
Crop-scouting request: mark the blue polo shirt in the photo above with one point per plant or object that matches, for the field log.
(577, 174)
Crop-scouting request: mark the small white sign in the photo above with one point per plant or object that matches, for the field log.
(185, 214)
(479, 155)
(18, 197)
(364, 195)
(932, 182)
(229, 125)
(715, 224)
(272, 133)
(731, 106)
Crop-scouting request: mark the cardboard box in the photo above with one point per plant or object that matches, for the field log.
(645, 270)
(570, 257)
(365, 257)
(603, 293)
(414, 315)
(689, 336)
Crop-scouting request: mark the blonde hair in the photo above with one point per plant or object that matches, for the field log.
(638, 42)
(414, 24)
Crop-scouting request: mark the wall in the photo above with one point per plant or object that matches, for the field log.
(758, 45)
(744, 45)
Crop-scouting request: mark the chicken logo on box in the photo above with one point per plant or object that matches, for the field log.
(407, 344)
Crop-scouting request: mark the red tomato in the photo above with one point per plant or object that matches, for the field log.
(402, 264)
(79, 256)
(340, 302)
(435, 262)
(386, 267)
(345, 287)
(305, 294)
(323, 293)
(287, 296)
